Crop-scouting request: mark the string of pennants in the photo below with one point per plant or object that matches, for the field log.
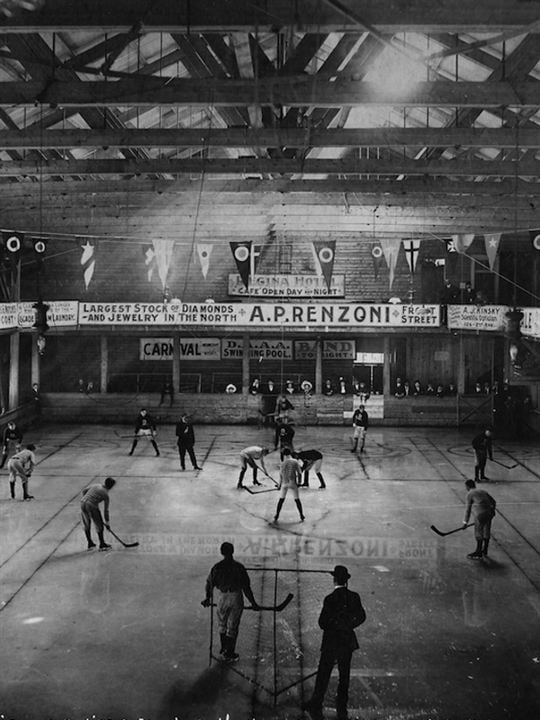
(158, 254)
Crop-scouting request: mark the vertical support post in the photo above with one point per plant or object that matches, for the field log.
(104, 364)
(274, 637)
(318, 366)
(14, 347)
(245, 364)
(176, 363)
(35, 366)
(386, 367)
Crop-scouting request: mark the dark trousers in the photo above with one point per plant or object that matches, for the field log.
(329, 657)
(182, 452)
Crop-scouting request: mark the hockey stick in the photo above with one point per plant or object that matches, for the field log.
(444, 534)
(267, 475)
(272, 608)
(508, 467)
(127, 545)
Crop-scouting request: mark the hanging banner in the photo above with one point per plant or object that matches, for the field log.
(149, 261)
(302, 316)
(325, 251)
(535, 239)
(199, 349)
(61, 313)
(477, 317)
(287, 286)
(258, 349)
(530, 324)
(412, 250)
(462, 242)
(491, 243)
(204, 250)
(88, 262)
(242, 256)
(8, 316)
(163, 250)
(390, 248)
(331, 349)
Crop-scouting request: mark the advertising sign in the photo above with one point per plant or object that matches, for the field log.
(287, 286)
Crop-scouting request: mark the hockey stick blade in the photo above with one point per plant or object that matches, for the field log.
(272, 608)
(508, 467)
(125, 544)
(450, 532)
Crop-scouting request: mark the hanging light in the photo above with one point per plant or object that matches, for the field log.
(10, 7)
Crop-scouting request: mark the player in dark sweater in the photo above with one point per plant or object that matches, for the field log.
(310, 459)
(11, 440)
(483, 448)
(144, 427)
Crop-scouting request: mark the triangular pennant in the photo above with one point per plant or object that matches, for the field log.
(492, 242)
(204, 250)
(377, 255)
(390, 248)
(325, 251)
(412, 250)
(163, 250)
(462, 242)
(242, 254)
(88, 262)
(149, 261)
(535, 239)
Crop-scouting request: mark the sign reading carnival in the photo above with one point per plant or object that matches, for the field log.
(287, 286)
(297, 315)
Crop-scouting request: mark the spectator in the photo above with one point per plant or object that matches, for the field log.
(342, 386)
(400, 389)
(255, 387)
(328, 388)
(417, 388)
(289, 387)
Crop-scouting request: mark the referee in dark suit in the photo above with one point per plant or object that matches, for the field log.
(342, 611)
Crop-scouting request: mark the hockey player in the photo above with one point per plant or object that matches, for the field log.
(21, 465)
(360, 421)
(248, 456)
(310, 460)
(290, 476)
(90, 512)
(144, 427)
(11, 440)
(482, 506)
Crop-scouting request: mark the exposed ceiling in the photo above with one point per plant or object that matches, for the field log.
(221, 118)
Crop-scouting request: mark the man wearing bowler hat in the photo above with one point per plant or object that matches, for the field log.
(342, 611)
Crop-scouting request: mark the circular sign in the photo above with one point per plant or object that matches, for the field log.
(536, 242)
(326, 255)
(39, 247)
(241, 253)
(13, 243)
(377, 252)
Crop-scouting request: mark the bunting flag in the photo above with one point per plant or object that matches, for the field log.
(325, 251)
(412, 250)
(492, 248)
(462, 242)
(535, 239)
(377, 255)
(149, 261)
(204, 250)
(242, 255)
(390, 248)
(12, 242)
(39, 246)
(163, 250)
(88, 262)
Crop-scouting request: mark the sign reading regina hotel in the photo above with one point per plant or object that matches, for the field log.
(294, 315)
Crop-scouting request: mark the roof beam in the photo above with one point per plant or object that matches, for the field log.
(281, 166)
(36, 138)
(284, 91)
(311, 15)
